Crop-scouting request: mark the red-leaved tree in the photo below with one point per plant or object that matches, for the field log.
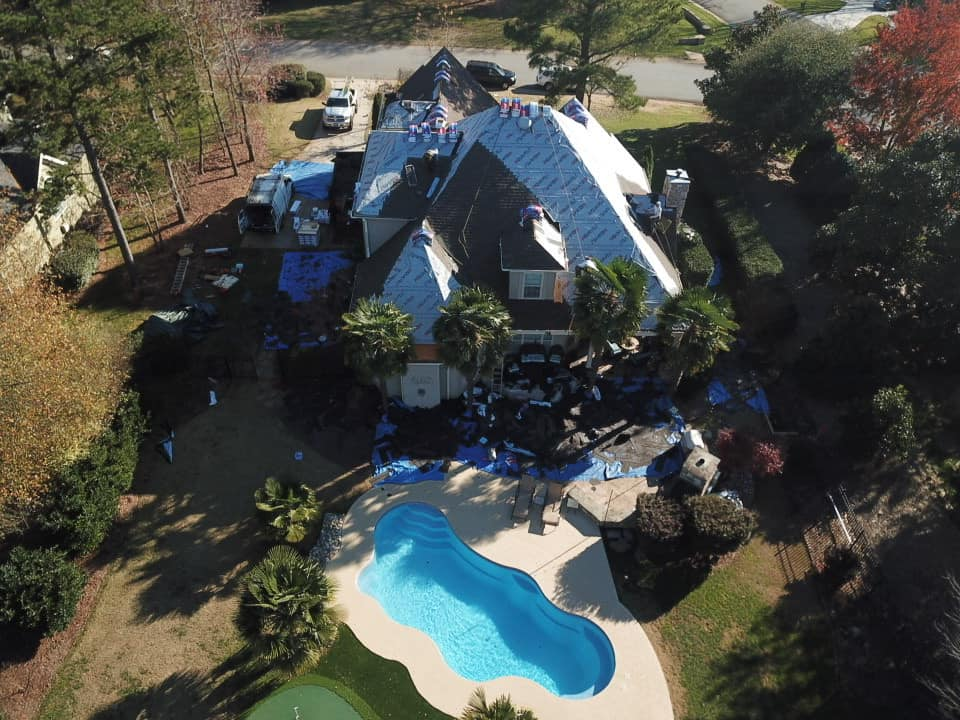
(740, 452)
(907, 82)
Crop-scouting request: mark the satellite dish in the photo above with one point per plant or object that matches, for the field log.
(525, 123)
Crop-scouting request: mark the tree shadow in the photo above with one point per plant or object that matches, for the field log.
(226, 691)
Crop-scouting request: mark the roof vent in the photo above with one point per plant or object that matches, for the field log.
(531, 212)
(430, 159)
(525, 122)
(441, 75)
(443, 64)
(421, 236)
(410, 172)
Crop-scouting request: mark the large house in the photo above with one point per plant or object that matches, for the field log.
(457, 189)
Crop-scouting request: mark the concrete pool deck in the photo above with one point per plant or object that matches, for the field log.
(569, 564)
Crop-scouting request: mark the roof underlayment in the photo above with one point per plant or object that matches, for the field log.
(576, 170)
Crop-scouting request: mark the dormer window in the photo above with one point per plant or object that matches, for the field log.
(532, 283)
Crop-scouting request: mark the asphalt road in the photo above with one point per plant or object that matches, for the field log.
(666, 79)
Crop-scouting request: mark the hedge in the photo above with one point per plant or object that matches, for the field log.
(75, 262)
(317, 81)
(696, 263)
(83, 498)
(39, 590)
(717, 524)
(755, 259)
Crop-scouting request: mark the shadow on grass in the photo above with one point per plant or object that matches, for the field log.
(306, 127)
(226, 691)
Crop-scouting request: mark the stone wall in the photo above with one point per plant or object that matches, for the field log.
(23, 256)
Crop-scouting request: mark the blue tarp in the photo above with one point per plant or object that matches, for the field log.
(404, 472)
(589, 468)
(759, 402)
(310, 179)
(304, 273)
(717, 393)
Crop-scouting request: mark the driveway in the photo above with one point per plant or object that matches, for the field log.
(663, 78)
(327, 143)
(734, 11)
(849, 16)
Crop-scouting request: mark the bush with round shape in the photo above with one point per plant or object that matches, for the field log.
(717, 524)
(299, 89)
(75, 262)
(39, 590)
(318, 81)
(659, 518)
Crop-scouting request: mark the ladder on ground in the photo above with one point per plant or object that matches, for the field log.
(179, 276)
(497, 384)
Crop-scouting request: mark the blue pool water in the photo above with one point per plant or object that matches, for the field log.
(488, 620)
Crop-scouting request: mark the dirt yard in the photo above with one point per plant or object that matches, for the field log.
(164, 620)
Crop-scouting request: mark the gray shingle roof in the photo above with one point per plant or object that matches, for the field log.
(462, 94)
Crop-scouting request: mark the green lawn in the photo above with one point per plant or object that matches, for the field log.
(666, 45)
(652, 116)
(385, 685)
(383, 22)
(739, 655)
(480, 26)
(334, 702)
(811, 7)
(866, 31)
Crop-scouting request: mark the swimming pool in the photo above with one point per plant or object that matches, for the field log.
(488, 620)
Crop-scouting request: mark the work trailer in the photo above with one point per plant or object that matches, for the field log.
(267, 203)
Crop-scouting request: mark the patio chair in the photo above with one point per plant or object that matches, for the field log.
(551, 508)
(521, 504)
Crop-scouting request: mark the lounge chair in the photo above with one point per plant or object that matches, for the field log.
(551, 508)
(521, 504)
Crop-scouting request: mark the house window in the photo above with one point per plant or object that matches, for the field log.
(532, 281)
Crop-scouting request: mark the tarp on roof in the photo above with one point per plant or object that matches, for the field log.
(310, 179)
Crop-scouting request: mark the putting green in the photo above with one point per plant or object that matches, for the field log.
(304, 702)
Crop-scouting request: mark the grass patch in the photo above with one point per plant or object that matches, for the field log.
(866, 30)
(62, 697)
(666, 44)
(738, 655)
(811, 7)
(384, 684)
(654, 115)
(358, 704)
(290, 125)
(383, 22)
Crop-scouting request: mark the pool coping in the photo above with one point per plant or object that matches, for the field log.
(569, 564)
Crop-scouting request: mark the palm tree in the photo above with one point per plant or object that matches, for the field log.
(377, 342)
(287, 612)
(473, 331)
(611, 302)
(501, 709)
(288, 509)
(696, 326)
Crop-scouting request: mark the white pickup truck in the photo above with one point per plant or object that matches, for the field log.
(340, 108)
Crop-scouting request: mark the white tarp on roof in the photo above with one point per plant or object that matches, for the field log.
(420, 282)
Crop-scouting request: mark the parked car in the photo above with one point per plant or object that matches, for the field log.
(884, 5)
(489, 74)
(547, 77)
(267, 202)
(340, 108)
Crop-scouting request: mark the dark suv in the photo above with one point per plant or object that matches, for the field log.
(489, 74)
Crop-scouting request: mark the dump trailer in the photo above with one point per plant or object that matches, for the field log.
(267, 203)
